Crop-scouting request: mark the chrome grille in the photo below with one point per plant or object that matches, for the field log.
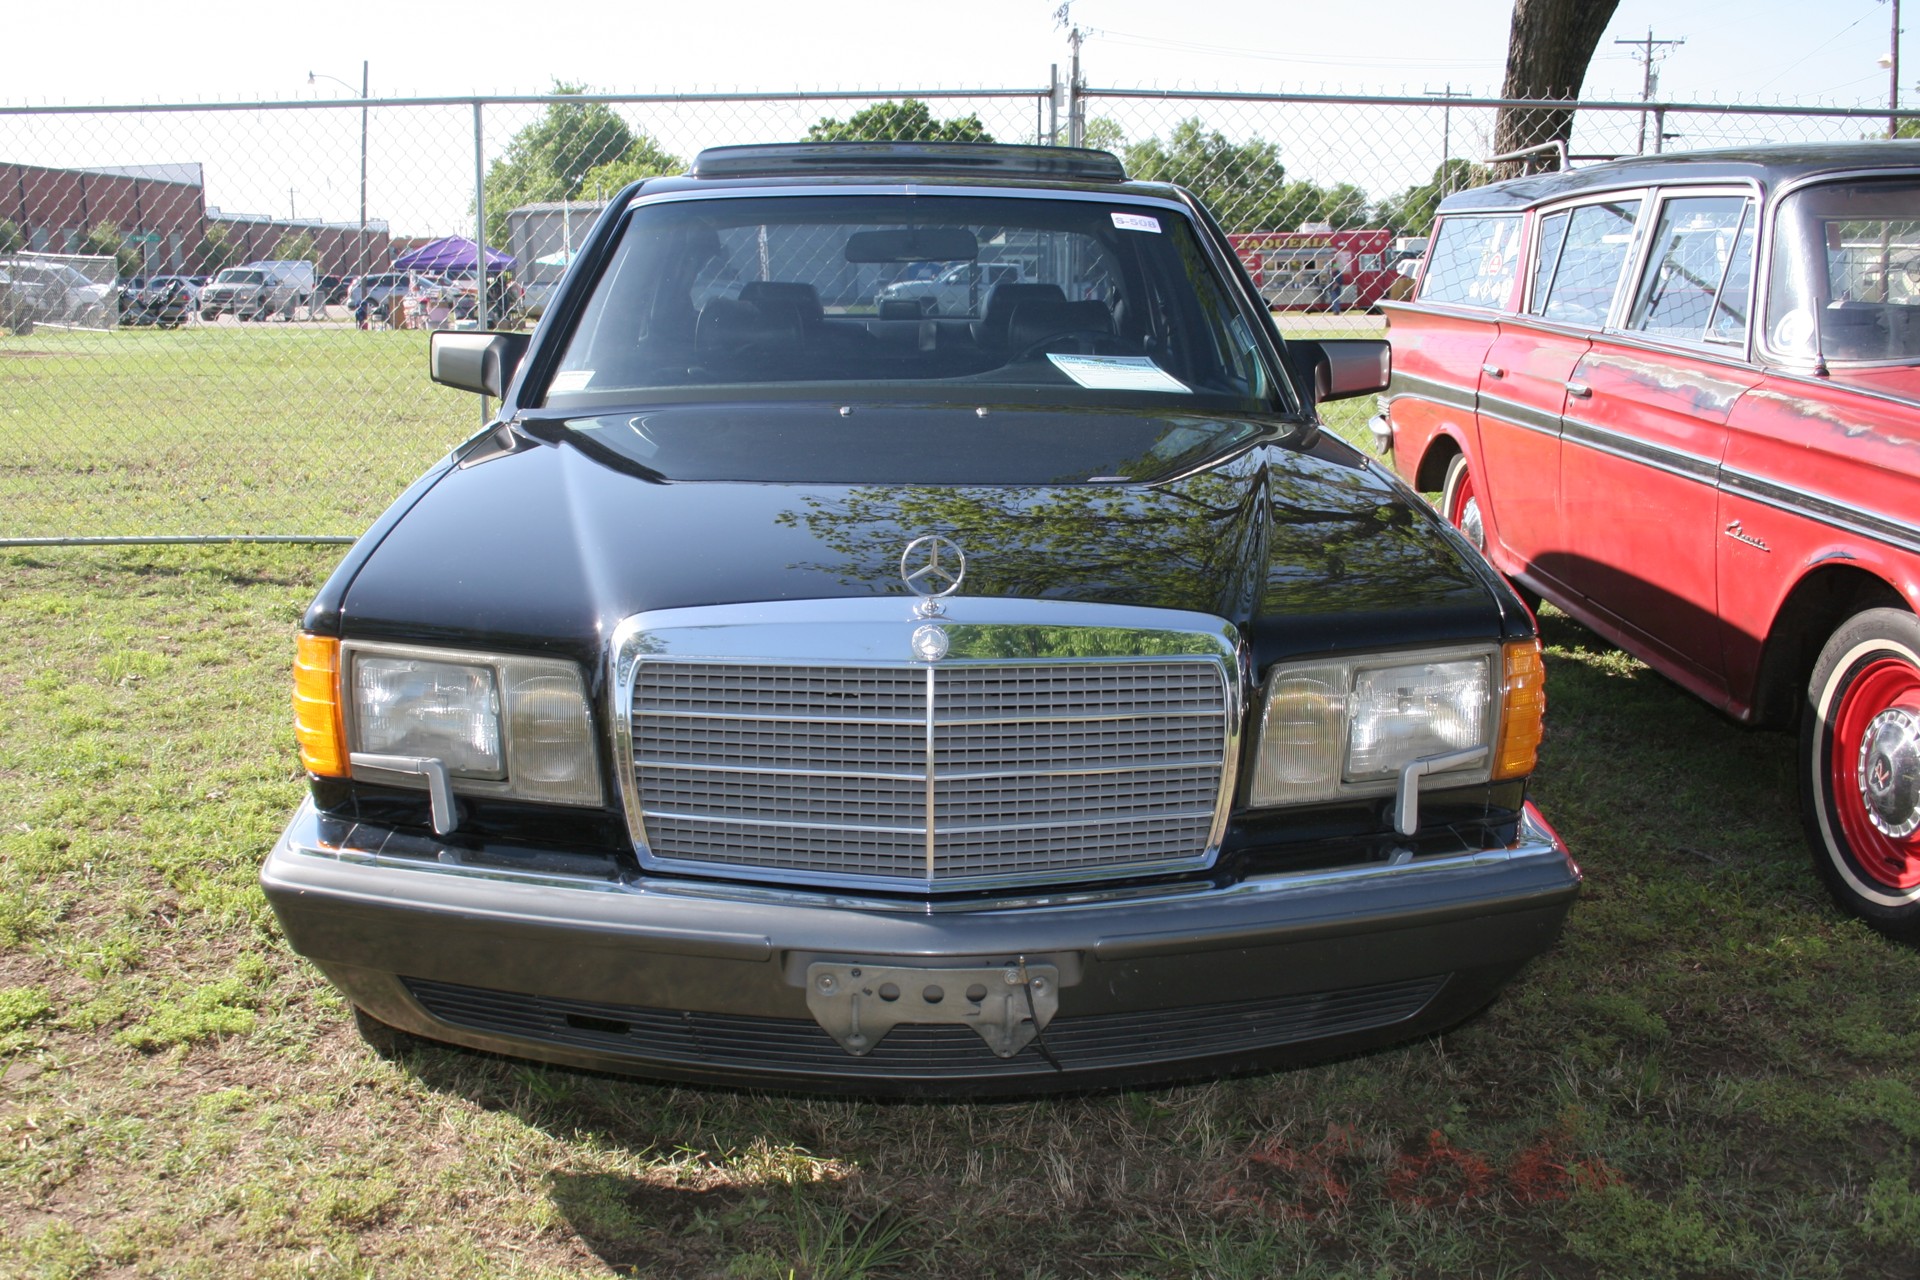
(1037, 769)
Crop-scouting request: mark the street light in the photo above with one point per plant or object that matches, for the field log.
(312, 76)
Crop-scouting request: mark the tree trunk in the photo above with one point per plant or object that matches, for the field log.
(1551, 43)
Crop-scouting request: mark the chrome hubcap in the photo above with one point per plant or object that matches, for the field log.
(1890, 772)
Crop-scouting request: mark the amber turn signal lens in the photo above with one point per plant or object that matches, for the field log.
(1525, 717)
(316, 707)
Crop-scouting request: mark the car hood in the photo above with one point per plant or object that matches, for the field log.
(545, 547)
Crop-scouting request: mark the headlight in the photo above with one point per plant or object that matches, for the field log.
(1348, 727)
(497, 724)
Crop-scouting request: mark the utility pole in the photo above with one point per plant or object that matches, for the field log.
(1446, 137)
(1076, 109)
(1646, 58)
(1893, 75)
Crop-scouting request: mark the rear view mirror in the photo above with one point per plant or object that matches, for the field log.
(482, 362)
(913, 244)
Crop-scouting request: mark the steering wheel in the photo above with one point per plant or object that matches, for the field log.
(1088, 341)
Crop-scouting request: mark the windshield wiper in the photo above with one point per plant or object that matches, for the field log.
(560, 431)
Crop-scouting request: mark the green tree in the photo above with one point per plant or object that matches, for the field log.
(1244, 183)
(644, 159)
(217, 250)
(551, 158)
(104, 238)
(908, 121)
(1410, 213)
(1103, 133)
(298, 247)
(11, 238)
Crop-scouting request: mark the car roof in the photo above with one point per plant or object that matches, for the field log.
(1769, 166)
(974, 165)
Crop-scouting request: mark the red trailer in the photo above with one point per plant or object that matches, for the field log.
(1295, 270)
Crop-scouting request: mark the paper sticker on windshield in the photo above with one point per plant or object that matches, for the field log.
(571, 380)
(1119, 373)
(1136, 222)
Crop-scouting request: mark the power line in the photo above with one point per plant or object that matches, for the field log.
(1647, 57)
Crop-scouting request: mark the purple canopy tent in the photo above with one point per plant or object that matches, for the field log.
(451, 253)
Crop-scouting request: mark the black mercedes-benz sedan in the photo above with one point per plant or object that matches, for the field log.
(809, 683)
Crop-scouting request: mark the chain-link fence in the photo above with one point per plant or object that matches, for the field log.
(213, 316)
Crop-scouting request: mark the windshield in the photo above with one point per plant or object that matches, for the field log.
(239, 277)
(1846, 272)
(1037, 301)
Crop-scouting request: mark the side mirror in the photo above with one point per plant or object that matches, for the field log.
(482, 362)
(1340, 368)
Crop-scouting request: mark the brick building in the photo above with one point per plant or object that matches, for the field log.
(161, 210)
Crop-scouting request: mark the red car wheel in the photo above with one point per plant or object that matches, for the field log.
(1460, 502)
(1860, 764)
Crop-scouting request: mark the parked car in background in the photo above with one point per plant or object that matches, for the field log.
(44, 291)
(939, 704)
(379, 288)
(261, 289)
(333, 289)
(1679, 398)
(959, 290)
(166, 301)
(506, 300)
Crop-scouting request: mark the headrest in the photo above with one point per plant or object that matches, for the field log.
(1042, 318)
(1001, 303)
(728, 323)
(768, 294)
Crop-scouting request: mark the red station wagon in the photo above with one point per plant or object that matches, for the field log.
(1679, 397)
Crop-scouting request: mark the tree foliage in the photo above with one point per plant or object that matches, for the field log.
(1244, 183)
(217, 250)
(1410, 213)
(643, 160)
(11, 238)
(298, 247)
(104, 238)
(908, 121)
(551, 158)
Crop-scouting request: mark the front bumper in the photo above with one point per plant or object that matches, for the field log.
(706, 982)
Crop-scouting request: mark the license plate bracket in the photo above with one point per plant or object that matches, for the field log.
(858, 1004)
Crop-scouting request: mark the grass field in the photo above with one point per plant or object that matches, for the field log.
(1712, 1075)
(215, 429)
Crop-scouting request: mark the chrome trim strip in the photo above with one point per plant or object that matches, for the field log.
(303, 838)
(901, 722)
(971, 775)
(968, 828)
(931, 768)
(875, 632)
(1525, 416)
(1678, 462)
(1407, 384)
(1823, 510)
(920, 187)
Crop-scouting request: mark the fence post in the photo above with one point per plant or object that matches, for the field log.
(1053, 105)
(480, 229)
(1659, 129)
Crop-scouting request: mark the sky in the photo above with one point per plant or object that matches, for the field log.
(215, 49)
(1802, 51)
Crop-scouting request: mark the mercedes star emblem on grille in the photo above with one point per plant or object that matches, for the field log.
(932, 567)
